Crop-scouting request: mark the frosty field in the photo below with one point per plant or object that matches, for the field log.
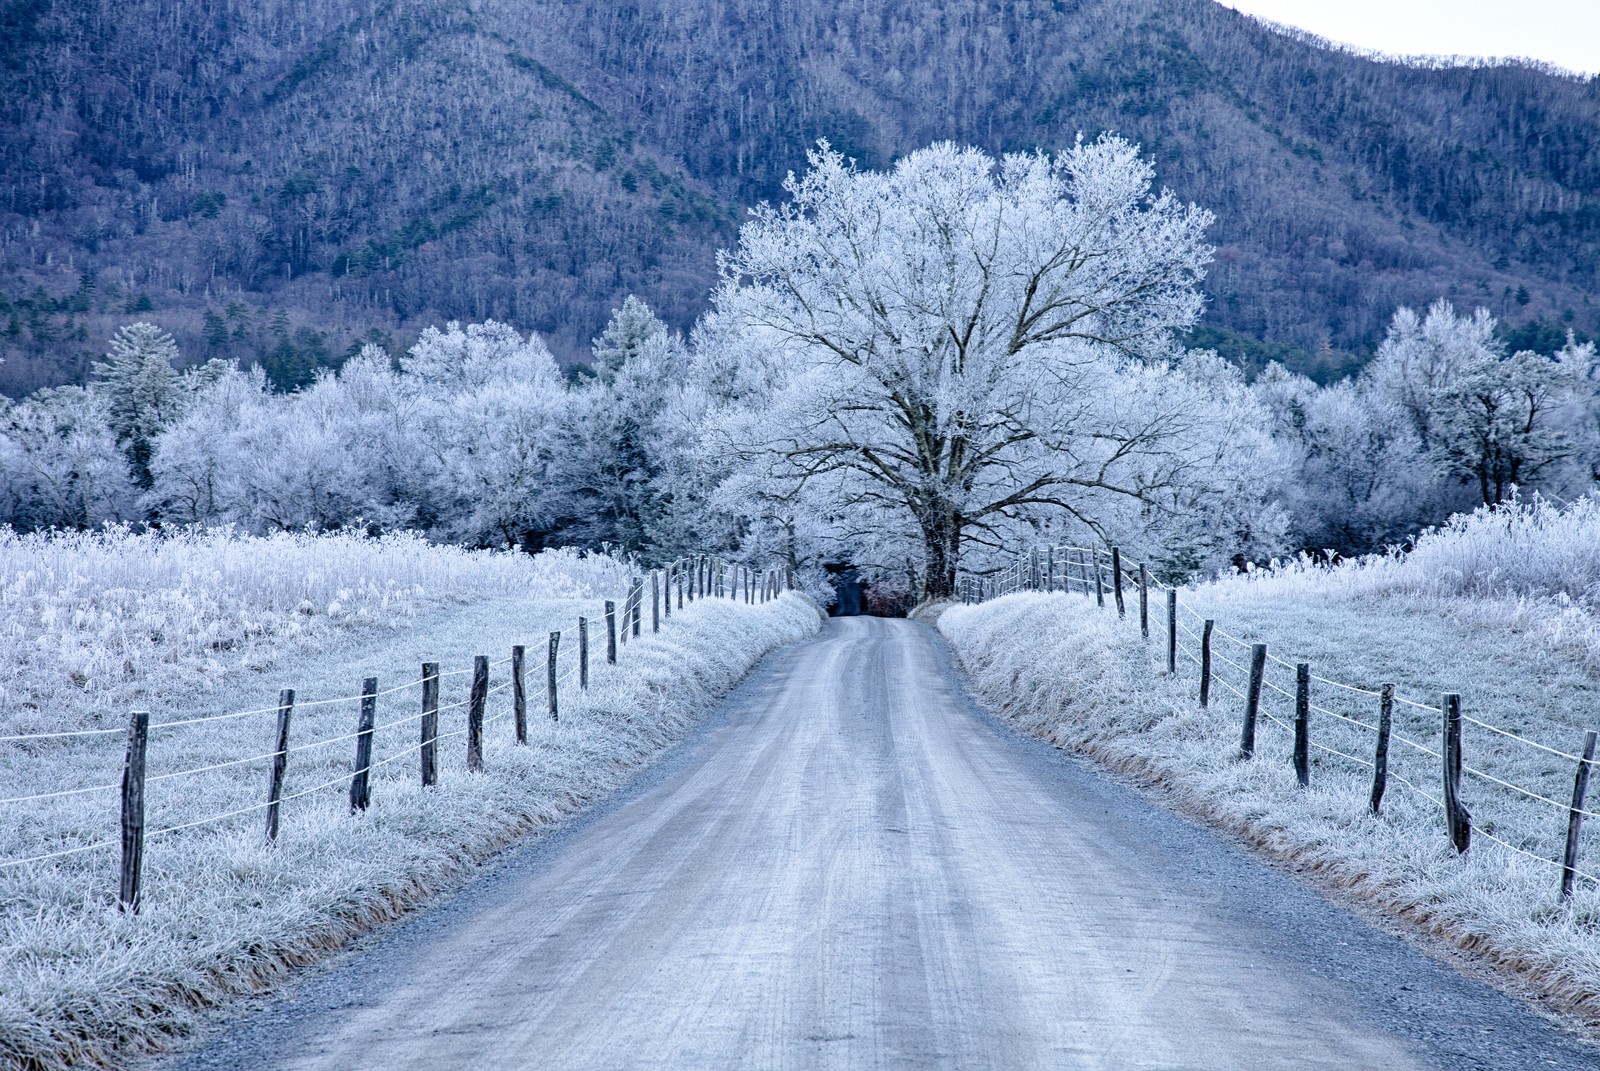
(198, 628)
(1496, 608)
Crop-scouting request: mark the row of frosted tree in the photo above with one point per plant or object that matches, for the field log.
(915, 371)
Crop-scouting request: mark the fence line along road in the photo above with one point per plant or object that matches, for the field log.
(567, 662)
(1092, 571)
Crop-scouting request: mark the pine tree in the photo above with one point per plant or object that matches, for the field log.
(630, 328)
(216, 330)
(141, 389)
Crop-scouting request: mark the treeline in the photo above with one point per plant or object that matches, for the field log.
(474, 436)
(538, 162)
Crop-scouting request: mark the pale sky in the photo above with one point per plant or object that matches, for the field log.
(1563, 32)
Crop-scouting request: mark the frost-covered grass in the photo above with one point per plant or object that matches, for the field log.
(1528, 548)
(1529, 564)
(91, 624)
(1067, 671)
(224, 912)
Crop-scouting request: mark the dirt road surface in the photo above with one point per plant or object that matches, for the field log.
(850, 867)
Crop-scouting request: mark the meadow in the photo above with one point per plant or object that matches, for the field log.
(203, 630)
(1498, 606)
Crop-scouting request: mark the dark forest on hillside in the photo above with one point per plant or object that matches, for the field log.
(282, 182)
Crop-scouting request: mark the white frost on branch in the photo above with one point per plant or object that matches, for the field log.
(959, 346)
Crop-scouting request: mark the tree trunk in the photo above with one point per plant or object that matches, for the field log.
(941, 546)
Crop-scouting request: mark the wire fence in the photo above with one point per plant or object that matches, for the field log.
(1355, 745)
(500, 690)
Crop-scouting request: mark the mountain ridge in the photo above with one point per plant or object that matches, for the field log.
(279, 183)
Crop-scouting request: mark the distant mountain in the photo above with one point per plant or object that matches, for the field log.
(279, 181)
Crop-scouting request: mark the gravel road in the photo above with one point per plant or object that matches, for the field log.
(849, 866)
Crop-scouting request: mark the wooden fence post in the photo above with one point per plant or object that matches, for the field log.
(360, 788)
(655, 601)
(638, 604)
(680, 589)
(1380, 758)
(611, 632)
(1172, 632)
(128, 895)
(625, 616)
(1050, 571)
(1580, 788)
(1116, 579)
(583, 653)
(666, 603)
(1144, 601)
(1457, 817)
(430, 723)
(1099, 585)
(1252, 699)
(477, 698)
(1302, 724)
(280, 762)
(550, 675)
(519, 693)
(1205, 662)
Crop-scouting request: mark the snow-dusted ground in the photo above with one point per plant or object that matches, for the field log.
(216, 627)
(1061, 668)
(848, 866)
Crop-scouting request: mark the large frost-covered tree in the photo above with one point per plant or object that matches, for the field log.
(1422, 356)
(1504, 422)
(955, 338)
(60, 465)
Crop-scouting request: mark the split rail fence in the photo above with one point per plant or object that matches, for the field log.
(1371, 732)
(567, 654)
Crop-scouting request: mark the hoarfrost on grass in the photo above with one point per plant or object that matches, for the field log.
(223, 911)
(1070, 672)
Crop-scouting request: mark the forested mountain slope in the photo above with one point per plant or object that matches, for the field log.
(277, 180)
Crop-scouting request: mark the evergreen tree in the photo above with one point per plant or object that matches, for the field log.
(216, 331)
(142, 391)
(630, 328)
